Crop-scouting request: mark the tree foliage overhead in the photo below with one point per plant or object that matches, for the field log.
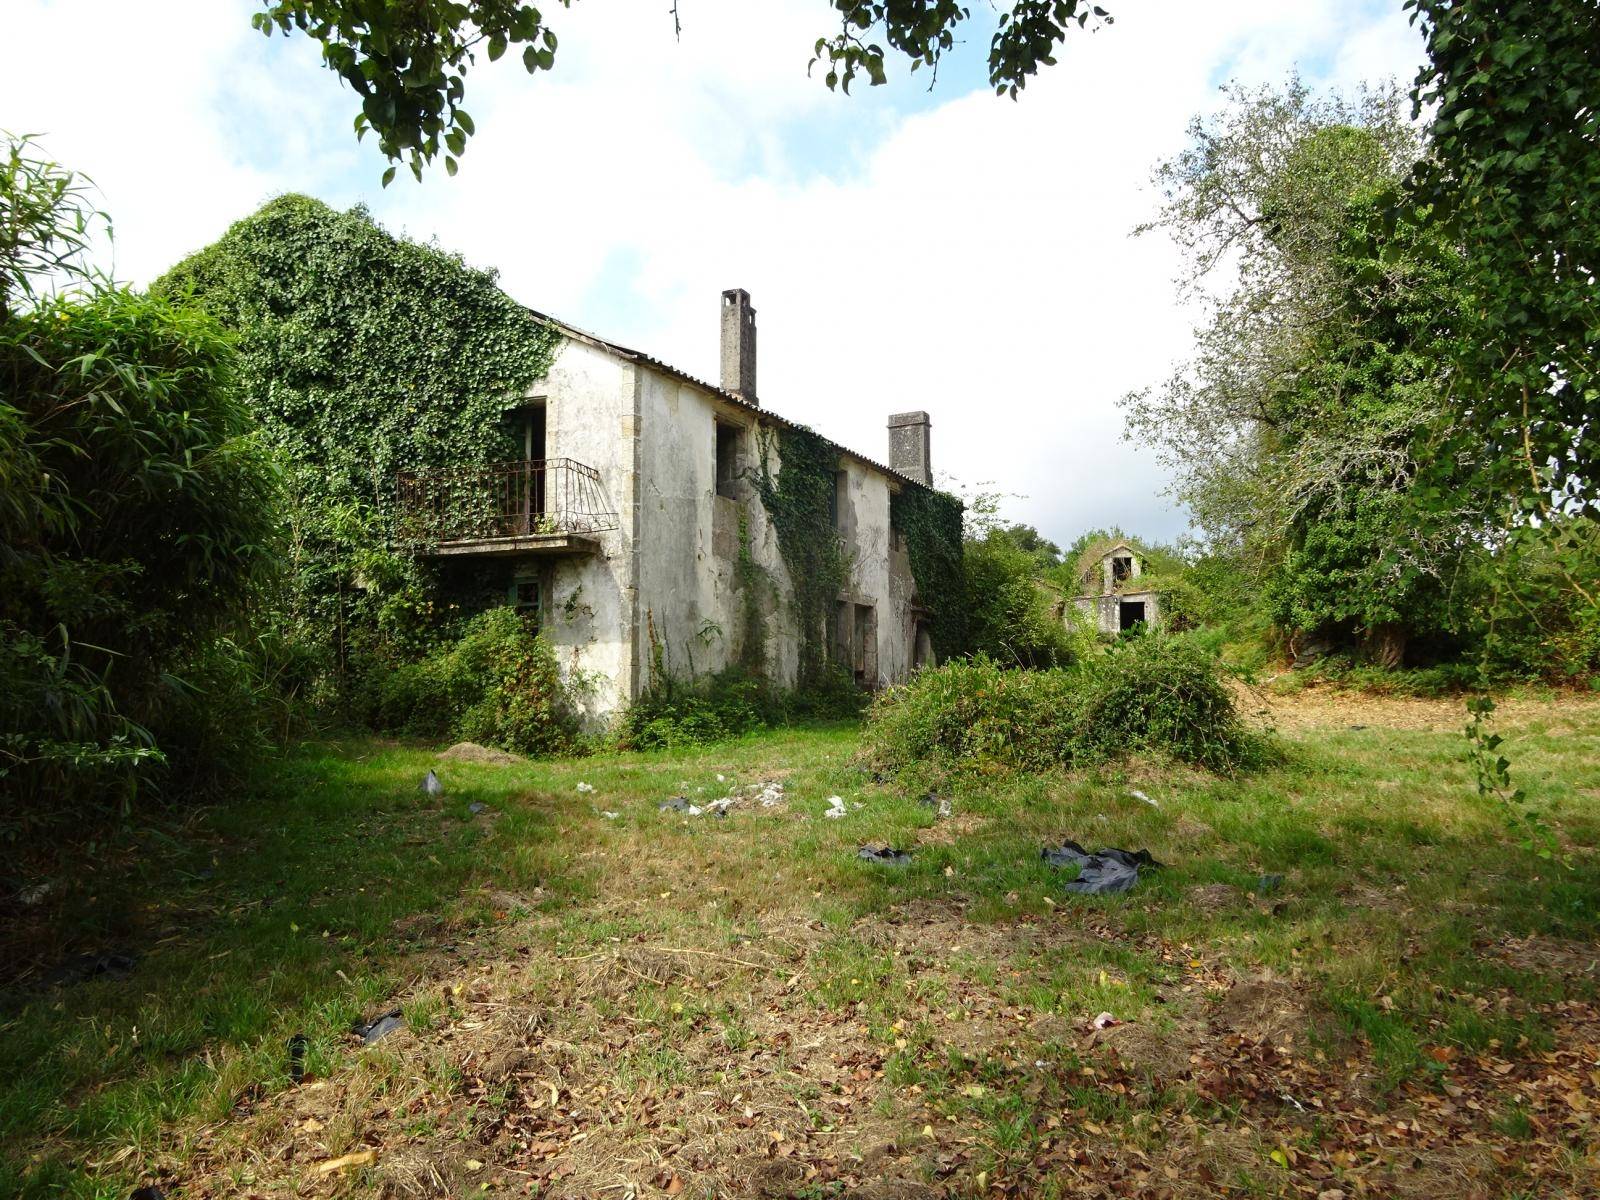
(1512, 174)
(923, 31)
(409, 61)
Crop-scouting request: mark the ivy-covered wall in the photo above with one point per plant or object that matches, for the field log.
(363, 354)
(798, 500)
(930, 523)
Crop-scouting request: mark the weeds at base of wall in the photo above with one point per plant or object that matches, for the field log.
(676, 713)
(499, 684)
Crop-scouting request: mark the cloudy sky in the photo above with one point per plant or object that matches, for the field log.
(905, 248)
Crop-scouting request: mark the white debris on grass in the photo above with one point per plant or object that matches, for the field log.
(1138, 795)
(585, 787)
(610, 816)
(769, 794)
(836, 808)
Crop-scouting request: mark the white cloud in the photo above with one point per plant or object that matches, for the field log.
(958, 253)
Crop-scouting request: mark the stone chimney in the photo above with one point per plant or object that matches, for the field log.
(908, 446)
(739, 345)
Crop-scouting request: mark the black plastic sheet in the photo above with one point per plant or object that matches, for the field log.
(1101, 873)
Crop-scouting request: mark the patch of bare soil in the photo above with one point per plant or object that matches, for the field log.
(1265, 1009)
(1550, 956)
(947, 831)
(471, 752)
(1213, 898)
(1339, 708)
(1162, 1052)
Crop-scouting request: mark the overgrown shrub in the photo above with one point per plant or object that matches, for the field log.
(1146, 693)
(137, 522)
(673, 713)
(1010, 618)
(499, 683)
(1157, 692)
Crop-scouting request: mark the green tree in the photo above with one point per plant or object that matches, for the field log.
(1045, 553)
(409, 62)
(137, 515)
(1299, 432)
(1011, 616)
(1512, 173)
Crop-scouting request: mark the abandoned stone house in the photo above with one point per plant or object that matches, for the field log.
(1110, 596)
(623, 524)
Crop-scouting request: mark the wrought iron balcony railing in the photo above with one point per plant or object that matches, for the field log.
(553, 498)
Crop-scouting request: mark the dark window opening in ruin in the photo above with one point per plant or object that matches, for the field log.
(727, 459)
(1121, 569)
(836, 503)
(1130, 614)
(527, 597)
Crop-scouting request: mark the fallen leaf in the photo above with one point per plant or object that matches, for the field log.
(361, 1158)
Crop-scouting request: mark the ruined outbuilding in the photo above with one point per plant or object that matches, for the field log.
(1111, 596)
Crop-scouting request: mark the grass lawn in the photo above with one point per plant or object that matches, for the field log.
(654, 1003)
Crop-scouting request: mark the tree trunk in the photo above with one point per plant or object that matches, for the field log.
(1385, 644)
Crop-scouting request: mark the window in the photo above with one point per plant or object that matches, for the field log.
(838, 503)
(727, 460)
(527, 597)
(1121, 568)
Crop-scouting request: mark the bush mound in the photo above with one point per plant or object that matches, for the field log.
(498, 684)
(1145, 693)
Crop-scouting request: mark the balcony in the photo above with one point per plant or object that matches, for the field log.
(544, 507)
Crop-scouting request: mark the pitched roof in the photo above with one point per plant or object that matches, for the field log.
(649, 360)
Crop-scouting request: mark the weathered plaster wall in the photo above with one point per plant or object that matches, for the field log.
(671, 571)
(590, 417)
(871, 575)
(1105, 612)
(688, 569)
(689, 536)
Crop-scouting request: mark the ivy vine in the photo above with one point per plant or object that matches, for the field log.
(930, 523)
(362, 354)
(799, 502)
(751, 581)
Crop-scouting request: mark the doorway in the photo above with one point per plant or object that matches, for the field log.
(1130, 614)
(529, 477)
